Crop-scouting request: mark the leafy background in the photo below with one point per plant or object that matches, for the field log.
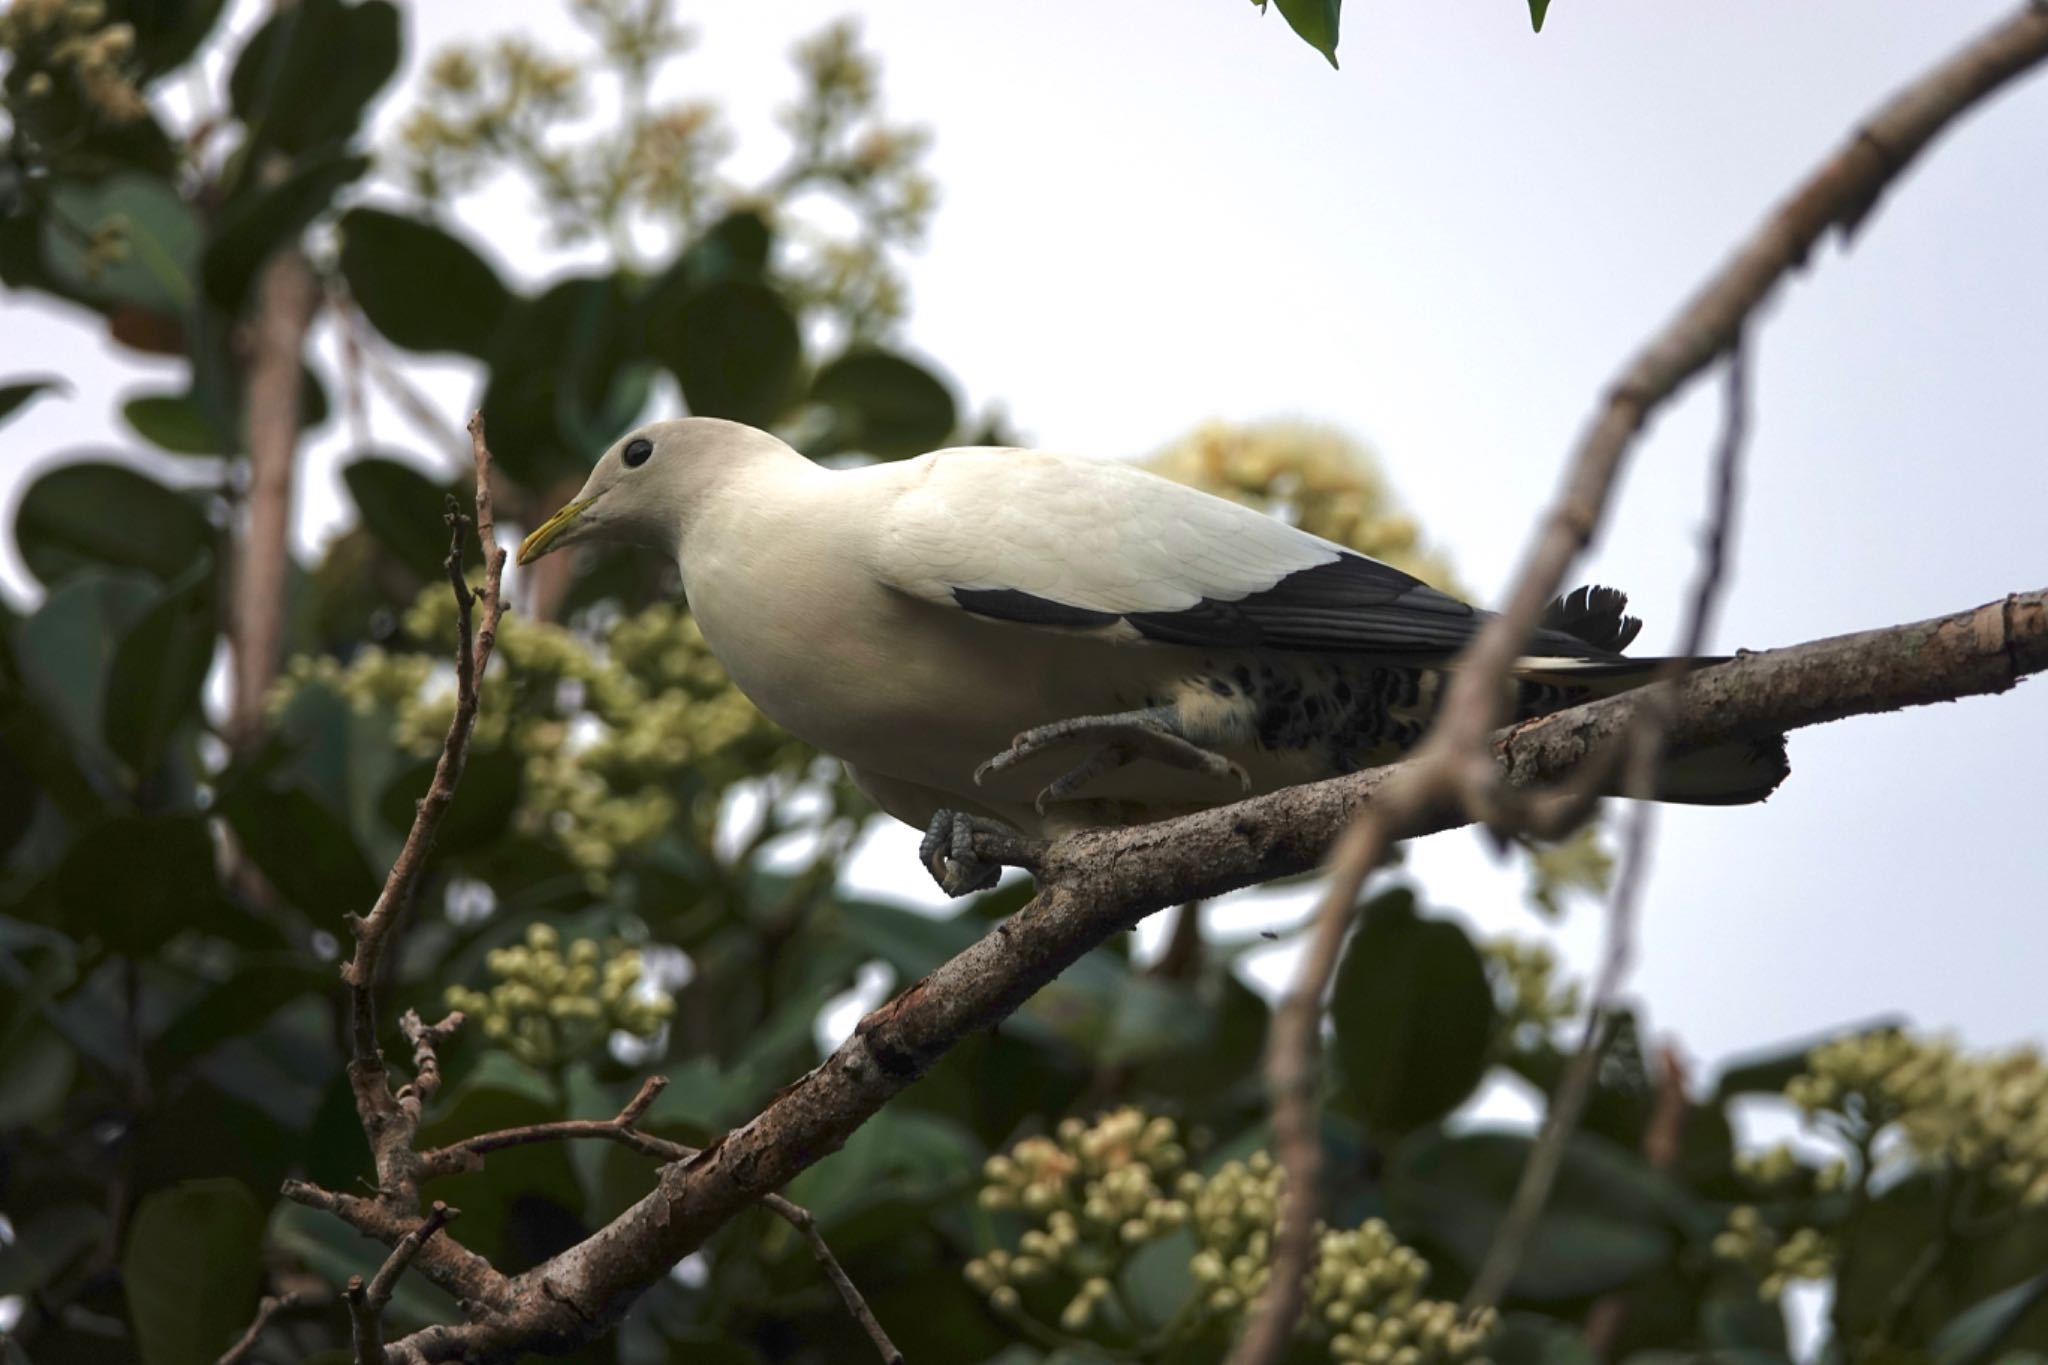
(170, 1048)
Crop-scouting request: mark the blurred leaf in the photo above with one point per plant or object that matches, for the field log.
(421, 287)
(138, 880)
(174, 422)
(259, 222)
(35, 1076)
(22, 391)
(333, 1251)
(158, 669)
(305, 76)
(911, 942)
(898, 1155)
(1531, 1339)
(1413, 1015)
(558, 366)
(66, 648)
(166, 31)
(1610, 1219)
(128, 239)
(403, 509)
(1884, 1242)
(1974, 1334)
(1537, 9)
(1156, 1279)
(240, 1004)
(1316, 22)
(47, 1243)
(191, 1269)
(735, 349)
(88, 513)
(1767, 1071)
(885, 405)
(305, 849)
(482, 808)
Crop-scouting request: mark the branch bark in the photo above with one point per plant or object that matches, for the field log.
(286, 296)
(1100, 883)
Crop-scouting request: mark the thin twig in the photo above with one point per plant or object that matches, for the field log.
(366, 1304)
(270, 1307)
(1562, 1119)
(468, 1155)
(389, 1125)
(417, 407)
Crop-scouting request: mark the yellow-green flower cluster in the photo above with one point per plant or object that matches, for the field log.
(71, 40)
(1986, 1112)
(602, 731)
(1579, 864)
(1532, 999)
(1098, 1192)
(551, 1006)
(1312, 476)
(1775, 1260)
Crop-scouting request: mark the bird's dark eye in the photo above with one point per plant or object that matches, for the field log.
(637, 452)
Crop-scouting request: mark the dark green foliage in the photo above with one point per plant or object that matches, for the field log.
(423, 288)
(1413, 1014)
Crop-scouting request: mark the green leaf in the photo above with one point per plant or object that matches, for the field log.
(138, 880)
(1537, 9)
(306, 75)
(884, 404)
(1316, 22)
(911, 942)
(1531, 1339)
(1972, 1335)
(238, 1006)
(65, 650)
(259, 223)
(35, 1076)
(147, 240)
(403, 509)
(175, 422)
(1610, 1220)
(92, 513)
(166, 31)
(158, 669)
(192, 1268)
(23, 391)
(333, 1251)
(483, 806)
(421, 287)
(1413, 1014)
(735, 349)
(562, 366)
(305, 850)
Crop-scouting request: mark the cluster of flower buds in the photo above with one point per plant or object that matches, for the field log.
(549, 1006)
(1525, 975)
(1774, 1259)
(1099, 1192)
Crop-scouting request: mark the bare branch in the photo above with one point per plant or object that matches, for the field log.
(389, 1123)
(1646, 742)
(454, 1267)
(366, 1304)
(800, 1218)
(468, 1154)
(270, 1307)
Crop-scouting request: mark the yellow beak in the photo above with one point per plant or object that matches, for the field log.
(550, 531)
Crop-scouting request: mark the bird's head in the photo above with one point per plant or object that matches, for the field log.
(646, 487)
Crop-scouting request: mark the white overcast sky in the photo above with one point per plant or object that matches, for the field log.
(1160, 211)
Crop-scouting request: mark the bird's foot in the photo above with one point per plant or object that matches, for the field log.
(948, 852)
(1120, 739)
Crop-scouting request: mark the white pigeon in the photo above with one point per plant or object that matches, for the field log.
(1054, 643)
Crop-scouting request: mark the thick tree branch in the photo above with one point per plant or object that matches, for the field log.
(366, 1302)
(286, 296)
(1102, 882)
